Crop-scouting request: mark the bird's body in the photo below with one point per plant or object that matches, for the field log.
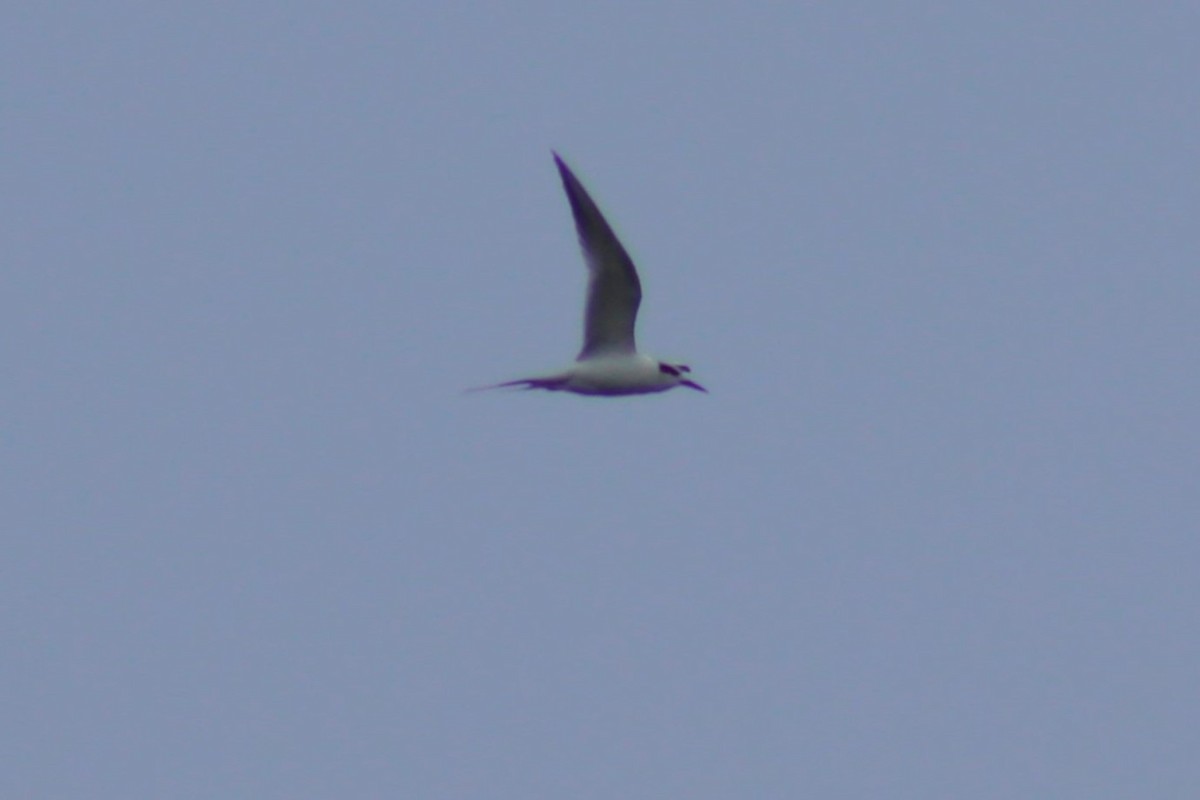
(612, 375)
(609, 364)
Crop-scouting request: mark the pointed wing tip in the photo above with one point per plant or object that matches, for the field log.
(563, 169)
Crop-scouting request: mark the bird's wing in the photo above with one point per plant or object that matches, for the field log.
(614, 290)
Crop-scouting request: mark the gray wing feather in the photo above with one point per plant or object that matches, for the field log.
(614, 291)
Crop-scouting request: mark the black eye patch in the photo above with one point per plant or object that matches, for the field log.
(668, 369)
(683, 367)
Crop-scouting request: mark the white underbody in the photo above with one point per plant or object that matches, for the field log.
(631, 373)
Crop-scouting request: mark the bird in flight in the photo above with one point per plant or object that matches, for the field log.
(609, 363)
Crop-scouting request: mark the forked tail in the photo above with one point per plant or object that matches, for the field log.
(552, 384)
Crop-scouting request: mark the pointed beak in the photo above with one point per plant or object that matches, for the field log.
(693, 385)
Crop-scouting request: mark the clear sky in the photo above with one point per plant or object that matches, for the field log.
(933, 534)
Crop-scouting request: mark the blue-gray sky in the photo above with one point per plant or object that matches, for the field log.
(932, 535)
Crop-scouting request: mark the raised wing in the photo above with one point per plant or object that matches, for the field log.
(614, 291)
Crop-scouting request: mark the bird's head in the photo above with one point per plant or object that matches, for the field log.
(680, 374)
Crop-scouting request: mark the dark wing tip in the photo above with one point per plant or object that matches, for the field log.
(568, 177)
(581, 202)
(587, 217)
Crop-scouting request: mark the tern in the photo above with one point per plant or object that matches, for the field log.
(609, 364)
